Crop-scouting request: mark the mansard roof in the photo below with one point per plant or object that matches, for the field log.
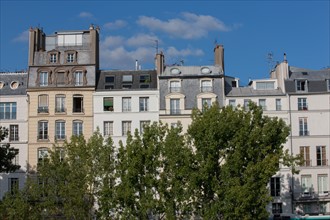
(13, 83)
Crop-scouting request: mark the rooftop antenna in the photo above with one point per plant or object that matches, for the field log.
(156, 45)
(270, 60)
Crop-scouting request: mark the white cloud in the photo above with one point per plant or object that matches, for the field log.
(85, 14)
(112, 41)
(143, 40)
(190, 26)
(173, 52)
(115, 25)
(23, 37)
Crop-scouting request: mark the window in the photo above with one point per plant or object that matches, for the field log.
(328, 80)
(246, 104)
(302, 104)
(70, 58)
(144, 104)
(264, 85)
(61, 153)
(175, 86)
(42, 154)
(301, 85)
(303, 129)
(126, 104)
(7, 110)
(144, 78)
(127, 86)
(78, 76)
(13, 133)
(306, 184)
(59, 130)
(77, 128)
(322, 184)
(60, 79)
(69, 39)
(43, 130)
(108, 128)
(143, 124)
(206, 103)
(276, 208)
(232, 103)
(175, 106)
(275, 186)
(43, 104)
(109, 82)
(206, 86)
(278, 105)
(108, 104)
(43, 79)
(126, 127)
(127, 78)
(13, 185)
(321, 159)
(262, 104)
(144, 86)
(60, 104)
(78, 101)
(15, 160)
(109, 79)
(53, 58)
(304, 152)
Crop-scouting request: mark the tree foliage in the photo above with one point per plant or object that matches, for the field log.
(218, 170)
(7, 153)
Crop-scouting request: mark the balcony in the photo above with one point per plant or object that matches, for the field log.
(78, 110)
(43, 109)
(310, 195)
(307, 163)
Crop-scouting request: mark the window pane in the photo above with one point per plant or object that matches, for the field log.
(108, 104)
(108, 128)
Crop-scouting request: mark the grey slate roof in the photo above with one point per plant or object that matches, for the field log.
(8, 78)
(250, 92)
(317, 81)
(118, 79)
(192, 71)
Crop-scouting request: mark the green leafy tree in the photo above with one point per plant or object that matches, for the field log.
(236, 154)
(7, 153)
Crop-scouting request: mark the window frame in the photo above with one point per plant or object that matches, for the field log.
(323, 187)
(126, 104)
(8, 115)
(60, 103)
(60, 131)
(278, 104)
(143, 104)
(43, 130)
(208, 87)
(301, 85)
(14, 132)
(43, 78)
(275, 186)
(262, 104)
(176, 88)
(175, 106)
(43, 107)
(303, 126)
(126, 127)
(75, 108)
(78, 78)
(108, 128)
(321, 155)
(302, 104)
(143, 123)
(13, 185)
(208, 101)
(77, 127)
(305, 153)
(110, 107)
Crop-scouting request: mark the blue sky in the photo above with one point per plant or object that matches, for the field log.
(185, 30)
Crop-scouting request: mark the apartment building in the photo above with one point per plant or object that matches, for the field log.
(183, 88)
(302, 99)
(61, 82)
(14, 116)
(125, 101)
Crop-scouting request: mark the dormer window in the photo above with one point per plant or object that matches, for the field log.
(71, 56)
(206, 86)
(328, 84)
(175, 71)
(301, 85)
(53, 57)
(109, 82)
(265, 85)
(205, 70)
(175, 86)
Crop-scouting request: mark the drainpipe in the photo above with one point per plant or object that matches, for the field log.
(291, 153)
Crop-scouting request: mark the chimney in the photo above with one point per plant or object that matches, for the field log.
(160, 63)
(219, 57)
(136, 65)
(37, 40)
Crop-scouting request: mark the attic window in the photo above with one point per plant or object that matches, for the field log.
(264, 85)
(14, 85)
(205, 70)
(175, 71)
(127, 78)
(301, 85)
